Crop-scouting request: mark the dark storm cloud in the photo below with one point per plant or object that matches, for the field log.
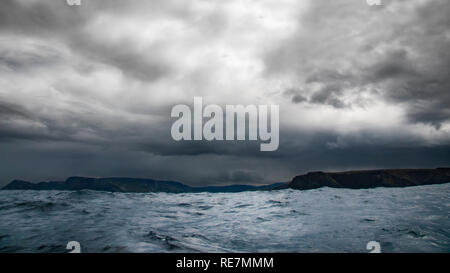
(10, 115)
(326, 152)
(400, 51)
(193, 148)
(10, 110)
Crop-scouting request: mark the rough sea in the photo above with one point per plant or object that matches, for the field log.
(414, 219)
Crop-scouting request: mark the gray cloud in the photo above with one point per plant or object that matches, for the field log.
(57, 20)
(400, 51)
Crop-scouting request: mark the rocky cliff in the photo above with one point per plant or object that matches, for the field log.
(371, 178)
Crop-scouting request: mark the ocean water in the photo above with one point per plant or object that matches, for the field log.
(414, 219)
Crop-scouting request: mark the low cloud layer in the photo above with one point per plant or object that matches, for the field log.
(88, 90)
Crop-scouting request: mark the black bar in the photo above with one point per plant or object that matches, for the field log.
(281, 262)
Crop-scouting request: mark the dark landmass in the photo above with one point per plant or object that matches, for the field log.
(125, 184)
(313, 180)
(370, 179)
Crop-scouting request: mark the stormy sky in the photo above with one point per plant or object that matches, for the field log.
(88, 90)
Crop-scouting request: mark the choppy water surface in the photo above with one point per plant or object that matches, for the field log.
(412, 219)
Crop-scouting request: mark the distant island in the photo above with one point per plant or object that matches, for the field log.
(126, 184)
(312, 180)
